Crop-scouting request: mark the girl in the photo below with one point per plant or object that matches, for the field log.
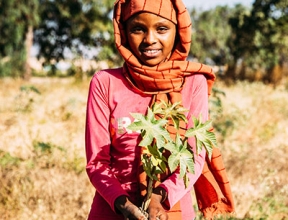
(153, 37)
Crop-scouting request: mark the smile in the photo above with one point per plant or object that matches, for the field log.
(151, 53)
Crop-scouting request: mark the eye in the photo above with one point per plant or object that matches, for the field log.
(136, 30)
(162, 29)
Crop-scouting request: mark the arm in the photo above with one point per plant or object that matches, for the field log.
(98, 145)
(98, 141)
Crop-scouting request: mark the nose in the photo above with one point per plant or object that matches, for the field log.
(150, 38)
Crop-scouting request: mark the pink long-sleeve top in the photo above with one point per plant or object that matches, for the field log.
(112, 150)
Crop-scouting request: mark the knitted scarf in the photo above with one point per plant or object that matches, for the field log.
(165, 81)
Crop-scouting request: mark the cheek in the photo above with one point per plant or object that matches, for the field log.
(173, 38)
(133, 42)
(170, 41)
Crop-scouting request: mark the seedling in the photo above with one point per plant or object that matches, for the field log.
(156, 139)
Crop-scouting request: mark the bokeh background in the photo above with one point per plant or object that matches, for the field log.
(49, 51)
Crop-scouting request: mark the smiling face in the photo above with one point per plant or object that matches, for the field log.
(150, 37)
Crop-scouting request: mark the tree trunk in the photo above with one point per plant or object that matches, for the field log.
(28, 45)
(231, 72)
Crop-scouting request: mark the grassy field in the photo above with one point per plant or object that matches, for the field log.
(42, 158)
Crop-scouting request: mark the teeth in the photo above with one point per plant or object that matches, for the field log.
(151, 51)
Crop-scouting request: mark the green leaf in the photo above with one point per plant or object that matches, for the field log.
(182, 156)
(157, 158)
(173, 162)
(209, 143)
(171, 147)
(162, 165)
(187, 159)
(174, 146)
(199, 146)
(147, 165)
(183, 159)
(154, 161)
(204, 138)
(175, 112)
(153, 150)
(150, 129)
(156, 172)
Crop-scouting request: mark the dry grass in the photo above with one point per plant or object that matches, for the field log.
(42, 156)
(253, 135)
(42, 150)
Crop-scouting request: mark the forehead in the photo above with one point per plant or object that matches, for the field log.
(147, 17)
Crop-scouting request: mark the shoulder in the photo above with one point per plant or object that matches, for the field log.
(107, 76)
(107, 73)
(196, 78)
(196, 81)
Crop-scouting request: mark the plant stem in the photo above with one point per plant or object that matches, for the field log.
(147, 199)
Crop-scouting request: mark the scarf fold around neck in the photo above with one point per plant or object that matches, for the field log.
(167, 79)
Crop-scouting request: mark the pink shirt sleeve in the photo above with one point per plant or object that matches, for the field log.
(98, 142)
(198, 92)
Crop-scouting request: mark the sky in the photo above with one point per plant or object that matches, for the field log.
(207, 4)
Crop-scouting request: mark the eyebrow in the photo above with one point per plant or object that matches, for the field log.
(161, 22)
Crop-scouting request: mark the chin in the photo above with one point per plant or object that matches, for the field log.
(151, 63)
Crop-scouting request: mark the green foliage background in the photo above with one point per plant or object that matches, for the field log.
(247, 43)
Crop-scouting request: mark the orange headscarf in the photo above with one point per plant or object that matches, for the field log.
(166, 80)
(168, 76)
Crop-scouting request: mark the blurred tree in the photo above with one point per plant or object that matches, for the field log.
(259, 39)
(210, 33)
(16, 35)
(241, 38)
(78, 27)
